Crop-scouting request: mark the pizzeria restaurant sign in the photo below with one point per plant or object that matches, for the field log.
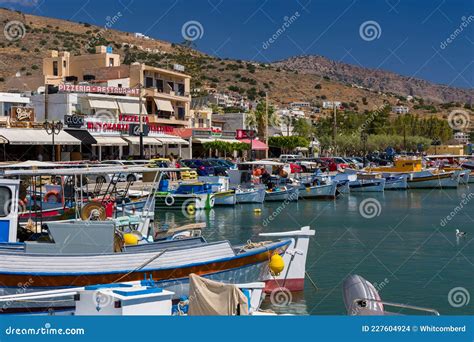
(73, 88)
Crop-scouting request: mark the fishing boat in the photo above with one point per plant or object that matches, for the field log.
(368, 182)
(430, 180)
(223, 194)
(342, 181)
(315, 187)
(227, 197)
(81, 253)
(398, 182)
(361, 298)
(187, 196)
(250, 195)
(144, 297)
(282, 194)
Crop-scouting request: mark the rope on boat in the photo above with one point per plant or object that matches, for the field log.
(141, 266)
(311, 280)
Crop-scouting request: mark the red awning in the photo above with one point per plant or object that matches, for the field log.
(257, 145)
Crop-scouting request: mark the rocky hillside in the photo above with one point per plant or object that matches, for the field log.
(377, 80)
(312, 79)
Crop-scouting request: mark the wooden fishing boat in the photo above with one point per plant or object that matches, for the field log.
(306, 190)
(227, 197)
(251, 195)
(282, 194)
(396, 182)
(188, 197)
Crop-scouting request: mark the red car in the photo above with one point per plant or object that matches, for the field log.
(295, 168)
(334, 164)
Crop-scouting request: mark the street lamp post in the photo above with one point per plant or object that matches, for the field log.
(53, 128)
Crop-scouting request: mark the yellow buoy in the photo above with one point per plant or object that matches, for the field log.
(257, 210)
(276, 264)
(191, 209)
(130, 239)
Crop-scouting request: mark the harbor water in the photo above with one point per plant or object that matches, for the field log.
(404, 242)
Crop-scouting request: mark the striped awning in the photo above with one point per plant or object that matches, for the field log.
(29, 136)
(171, 140)
(146, 141)
(103, 140)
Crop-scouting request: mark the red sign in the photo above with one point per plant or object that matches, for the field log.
(245, 134)
(72, 88)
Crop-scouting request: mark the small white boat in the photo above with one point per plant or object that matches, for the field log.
(396, 183)
(430, 180)
(281, 194)
(362, 299)
(318, 191)
(145, 297)
(368, 185)
(225, 198)
(250, 195)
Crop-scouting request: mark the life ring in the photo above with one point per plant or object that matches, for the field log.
(52, 193)
(167, 200)
(191, 209)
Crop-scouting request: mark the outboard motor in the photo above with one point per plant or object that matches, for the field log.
(360, 297)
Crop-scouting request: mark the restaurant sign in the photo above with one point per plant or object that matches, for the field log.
(245, 134)
(134, 130)
(74, 121)
(73, 88)
(22, 114)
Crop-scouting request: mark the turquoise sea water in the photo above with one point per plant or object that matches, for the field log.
(409, 249)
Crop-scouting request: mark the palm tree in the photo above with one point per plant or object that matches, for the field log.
(256, 119)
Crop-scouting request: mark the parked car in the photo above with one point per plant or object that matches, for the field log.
(335, 163)
(284, 158)
(203, 167)
(224, 162)
(125, 176)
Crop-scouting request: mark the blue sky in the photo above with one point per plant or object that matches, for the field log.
(410, 36)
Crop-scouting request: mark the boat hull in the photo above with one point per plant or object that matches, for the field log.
(434, 181)
(367, 186)
(251, 196)
(225, 198)
(180, 201)
(289, 194)
(396, 184)
(318, 191)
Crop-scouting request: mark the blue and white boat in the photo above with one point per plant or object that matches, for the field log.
(250, 195)
(396, 182)
(367, 185)
(282, 194)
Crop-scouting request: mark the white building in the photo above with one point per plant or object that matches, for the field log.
(461, 137)
(298, 104)
(9, 100)
(331, 104)
(400, 109)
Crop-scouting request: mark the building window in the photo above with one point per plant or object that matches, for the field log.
(171, 85)
(159, 85)
(5, 198)
(111, 62)
(148, 82)
(181, 113)
(200, 122)
(180, 89)
(149, 107)
(55, 68)
(64, 64)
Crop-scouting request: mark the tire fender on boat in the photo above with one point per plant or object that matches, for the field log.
(169, 200)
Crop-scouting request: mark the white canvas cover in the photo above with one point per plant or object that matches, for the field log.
(212, 298)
